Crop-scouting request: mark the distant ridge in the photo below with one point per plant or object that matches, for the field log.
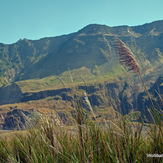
(90, 46)
(97, 28)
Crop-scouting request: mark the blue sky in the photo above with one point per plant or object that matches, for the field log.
(35, 19)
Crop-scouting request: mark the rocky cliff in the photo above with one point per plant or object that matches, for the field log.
(16, 119)
(10, 94)
(156, 94)
(123, 97)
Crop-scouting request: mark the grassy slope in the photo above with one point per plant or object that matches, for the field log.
(72, 78)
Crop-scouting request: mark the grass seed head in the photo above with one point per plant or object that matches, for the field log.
(126, 56)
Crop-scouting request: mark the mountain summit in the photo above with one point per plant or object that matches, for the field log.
(148, 28)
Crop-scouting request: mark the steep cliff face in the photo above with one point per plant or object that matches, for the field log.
(156, 94)
(30, 96)
(16, 119)
(10, 94)
(117, 94)
(121, 96)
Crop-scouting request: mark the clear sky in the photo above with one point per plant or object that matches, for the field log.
(35, 19)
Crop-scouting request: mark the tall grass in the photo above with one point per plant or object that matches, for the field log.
(127, 58)
(111, 141)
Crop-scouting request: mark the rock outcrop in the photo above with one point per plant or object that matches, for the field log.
(10, 94)
(16, 119)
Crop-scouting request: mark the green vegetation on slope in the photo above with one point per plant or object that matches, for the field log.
(72, 78)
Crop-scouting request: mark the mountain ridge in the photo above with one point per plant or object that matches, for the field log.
(132, 26)
(90, 46)
(136, 28)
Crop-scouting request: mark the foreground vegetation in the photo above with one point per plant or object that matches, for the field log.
(118, 140)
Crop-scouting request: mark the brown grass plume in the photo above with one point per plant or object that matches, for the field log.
(126, 56)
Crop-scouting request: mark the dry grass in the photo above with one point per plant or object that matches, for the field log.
(112, 141)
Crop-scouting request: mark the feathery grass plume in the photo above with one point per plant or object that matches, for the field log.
(83, 80)
(126, 56)
(89, 104)
(70, 75)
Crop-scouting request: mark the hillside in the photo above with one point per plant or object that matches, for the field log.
(45, 75)
(89, 47)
